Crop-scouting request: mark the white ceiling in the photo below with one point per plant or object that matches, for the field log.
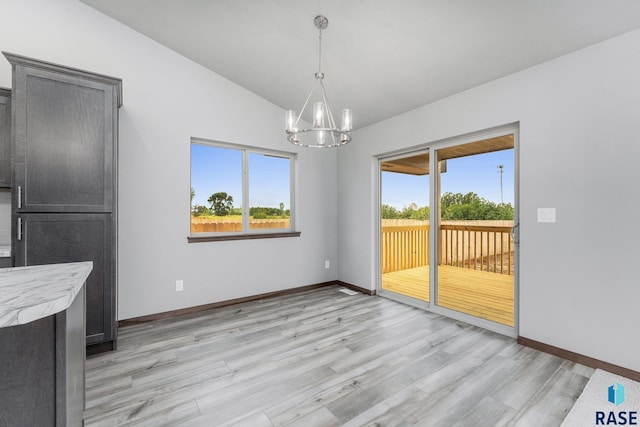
(380, 57)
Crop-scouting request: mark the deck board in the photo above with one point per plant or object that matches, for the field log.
(478, 293)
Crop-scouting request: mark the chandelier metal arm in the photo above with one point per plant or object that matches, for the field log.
(332, 123)
(304, 106)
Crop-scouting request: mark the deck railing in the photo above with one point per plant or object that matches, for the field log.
(404, 247)
(478, 247)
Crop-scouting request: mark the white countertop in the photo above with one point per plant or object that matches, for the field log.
(34, 292)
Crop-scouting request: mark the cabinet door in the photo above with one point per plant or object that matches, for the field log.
(65, 129)
(60, 238)
(5, 138)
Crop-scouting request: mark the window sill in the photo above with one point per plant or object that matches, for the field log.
(245, 236)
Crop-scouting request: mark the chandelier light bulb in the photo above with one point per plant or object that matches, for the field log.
(318, 115)
(322, 138)
(347, 124)
(291, 120)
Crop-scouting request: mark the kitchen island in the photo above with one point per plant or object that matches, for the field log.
(5, 256)
(42, 344)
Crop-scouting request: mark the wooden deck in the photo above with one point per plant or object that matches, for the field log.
(479, 293)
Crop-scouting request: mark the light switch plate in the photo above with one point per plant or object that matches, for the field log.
(546, 214)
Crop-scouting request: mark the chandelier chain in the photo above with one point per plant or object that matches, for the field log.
(320, 54)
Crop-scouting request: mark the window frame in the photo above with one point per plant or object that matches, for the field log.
(248, 233)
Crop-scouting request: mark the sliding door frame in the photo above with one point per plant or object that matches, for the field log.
(434, 237)
(434, 219)
(378, 235)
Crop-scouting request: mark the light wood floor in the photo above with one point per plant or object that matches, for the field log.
(324, 358)
(478, 293)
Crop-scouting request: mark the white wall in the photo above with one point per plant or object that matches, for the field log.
(580, 149)
(168, 99)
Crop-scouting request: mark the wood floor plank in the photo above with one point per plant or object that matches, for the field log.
(324, 358)
(259, 419)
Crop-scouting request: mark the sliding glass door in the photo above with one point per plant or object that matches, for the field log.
(445, 237)
(404, 223)
(476, 254)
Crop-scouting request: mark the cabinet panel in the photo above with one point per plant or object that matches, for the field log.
(60, 238)
(64, 147)
(27, 395)
(5, 138)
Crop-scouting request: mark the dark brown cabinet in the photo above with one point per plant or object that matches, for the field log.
(5, 138)
(64, 193)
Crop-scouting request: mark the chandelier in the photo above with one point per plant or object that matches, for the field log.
(323, 131)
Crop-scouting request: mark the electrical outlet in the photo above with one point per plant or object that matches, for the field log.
(327, 264)
(179, 285)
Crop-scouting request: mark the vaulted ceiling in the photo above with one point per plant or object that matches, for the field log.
(380, 57)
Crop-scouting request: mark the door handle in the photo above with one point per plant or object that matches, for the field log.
(515, 235)
(19, 227)
(19, 196)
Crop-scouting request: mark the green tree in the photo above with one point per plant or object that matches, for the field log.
(221, 203)
(470, 206)
(421, 214)
(199, 210)
(408, 211)
(389, 212)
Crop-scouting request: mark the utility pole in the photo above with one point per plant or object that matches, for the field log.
(501, 171)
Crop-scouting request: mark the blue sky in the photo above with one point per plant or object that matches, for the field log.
(214, 170)
(478, 174)
(219, 169)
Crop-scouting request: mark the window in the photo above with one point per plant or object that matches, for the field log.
(240, 192)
